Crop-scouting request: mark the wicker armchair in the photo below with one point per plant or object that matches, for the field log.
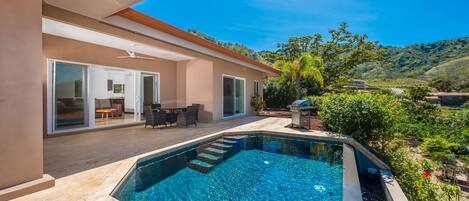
(154, 118)
(188, 117)
(171, 118)
(155, 106)
(197, 108)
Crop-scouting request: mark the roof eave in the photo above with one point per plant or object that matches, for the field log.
(138, 17)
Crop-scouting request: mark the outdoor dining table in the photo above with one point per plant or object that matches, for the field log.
(171, 110)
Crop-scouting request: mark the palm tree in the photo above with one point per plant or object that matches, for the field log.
(306, 66)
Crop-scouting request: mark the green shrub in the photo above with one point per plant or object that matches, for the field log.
(438, 148)
(417, 92)
(450, 192)
(257, 103)
(278, 92)
(409, 174)
(316, 101)
(416, 120)
(367, 117)
(465, 105)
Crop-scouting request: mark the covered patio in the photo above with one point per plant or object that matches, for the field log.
(87, 166)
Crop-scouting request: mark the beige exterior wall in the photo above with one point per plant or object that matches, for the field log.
(21, 157)
(222, 67)
(196, 81)
(199, 87)
(55, 47)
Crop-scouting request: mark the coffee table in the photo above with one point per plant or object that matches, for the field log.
(105, 112)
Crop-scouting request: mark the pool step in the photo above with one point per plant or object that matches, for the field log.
(221, 146)
(209, 158)
(235, 137)
(215, 151)
(225, 141)
(200, 166)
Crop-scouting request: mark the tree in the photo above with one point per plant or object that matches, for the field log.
(417, 93)
(442, 84)
(340, 54)
(303, 66)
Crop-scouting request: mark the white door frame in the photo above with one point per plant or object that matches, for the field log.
(51, 106)
(89, 95)
(234, 91)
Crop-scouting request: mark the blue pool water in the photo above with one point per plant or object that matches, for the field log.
(262, 168)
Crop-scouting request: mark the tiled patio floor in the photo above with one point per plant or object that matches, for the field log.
(87, 166)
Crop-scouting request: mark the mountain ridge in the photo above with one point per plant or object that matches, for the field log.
(412, 61)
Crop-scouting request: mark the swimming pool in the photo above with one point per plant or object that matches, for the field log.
(248, 167)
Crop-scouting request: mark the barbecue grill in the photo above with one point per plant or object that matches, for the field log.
(301, 114)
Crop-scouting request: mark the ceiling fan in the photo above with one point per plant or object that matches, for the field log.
(131, 55)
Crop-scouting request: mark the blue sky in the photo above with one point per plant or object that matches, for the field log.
(262, 24)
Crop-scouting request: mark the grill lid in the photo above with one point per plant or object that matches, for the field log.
(301, 103)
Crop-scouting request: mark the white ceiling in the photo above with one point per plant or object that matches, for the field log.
(97, 9)
(77, 33)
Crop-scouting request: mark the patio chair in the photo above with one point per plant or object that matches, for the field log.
(187, 118)
(155, 106)
(171, 118)
(197, 108)
(154, 118)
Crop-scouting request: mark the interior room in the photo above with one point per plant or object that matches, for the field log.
(114, 93)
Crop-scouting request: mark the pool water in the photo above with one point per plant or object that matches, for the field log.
(260, 168)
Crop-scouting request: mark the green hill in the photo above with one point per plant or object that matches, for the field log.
(414, 60)
(239, 48)
(456, 72)
(445, 61)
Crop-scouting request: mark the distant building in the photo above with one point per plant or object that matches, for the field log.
(359, 85)
(453, 99)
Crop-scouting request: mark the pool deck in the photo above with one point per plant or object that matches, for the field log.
(88, 166)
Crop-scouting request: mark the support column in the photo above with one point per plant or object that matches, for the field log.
(21, 103)
(195, 85)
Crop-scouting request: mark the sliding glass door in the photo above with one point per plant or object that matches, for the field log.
(70, 94)
(81, 96)
(233, 96)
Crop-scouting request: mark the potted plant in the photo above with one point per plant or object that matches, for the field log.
(257, 103)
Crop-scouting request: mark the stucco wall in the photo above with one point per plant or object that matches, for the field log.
(21, 93)
(199, 87)
(222, 67)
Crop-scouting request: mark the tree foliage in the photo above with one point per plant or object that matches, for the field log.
(342, 52)
(417, 93)
(300, 68)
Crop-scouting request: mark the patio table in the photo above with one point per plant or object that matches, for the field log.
(173, 110)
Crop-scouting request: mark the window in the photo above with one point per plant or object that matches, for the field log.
(256, 87)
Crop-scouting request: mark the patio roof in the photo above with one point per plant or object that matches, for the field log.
(65, 30)
(92, 8)
(141, 23)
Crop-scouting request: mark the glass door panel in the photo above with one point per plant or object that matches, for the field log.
(70, 96)
(239, 89)
(228, 96)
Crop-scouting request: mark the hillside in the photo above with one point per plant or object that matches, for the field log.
(415, 60)
(239, 48)
(445, 61)
(455, 71)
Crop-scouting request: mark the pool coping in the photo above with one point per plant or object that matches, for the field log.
(392, 189)
(351, 183)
